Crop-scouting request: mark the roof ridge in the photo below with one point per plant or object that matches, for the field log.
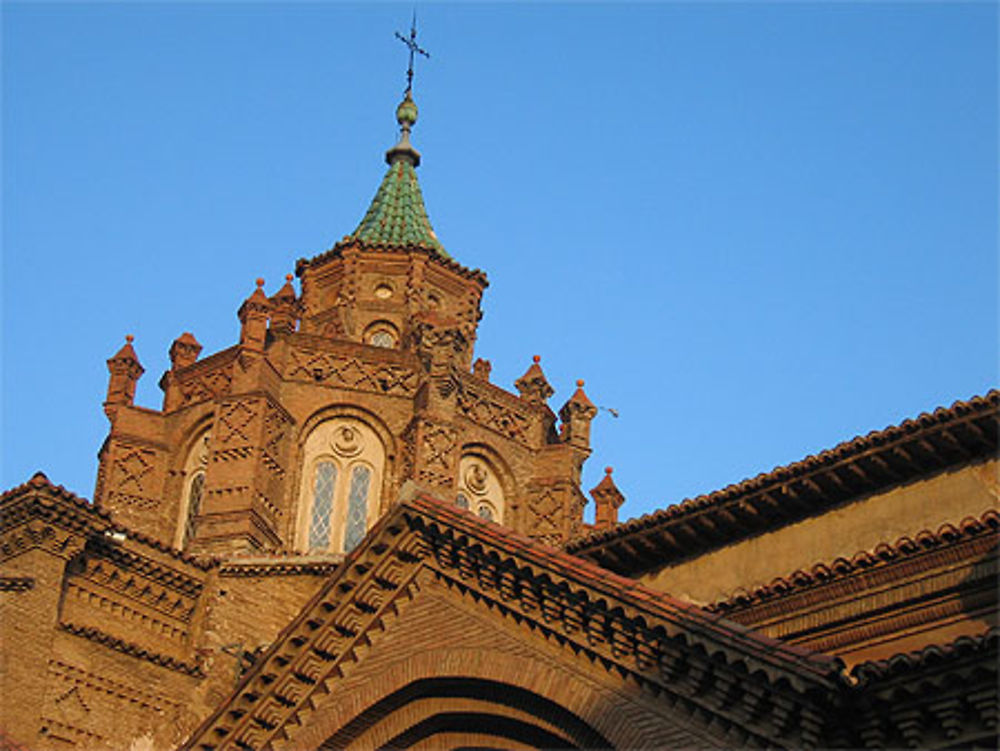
(882, 554)
(627, 629)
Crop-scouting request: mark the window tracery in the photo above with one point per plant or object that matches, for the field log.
(343, 461)
(381, 334)
(479, 488)
(194, 491)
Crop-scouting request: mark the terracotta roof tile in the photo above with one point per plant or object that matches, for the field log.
(903, 664)
(96, 516)
(882, 554)
(972, 424)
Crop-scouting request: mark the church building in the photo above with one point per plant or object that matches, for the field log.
(339, 533)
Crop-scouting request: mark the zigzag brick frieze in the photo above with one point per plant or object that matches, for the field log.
(16, 583)
(77, 676)
(98, 606)
(503, 419)
(351, 372)
(206, 380)
(134, 650)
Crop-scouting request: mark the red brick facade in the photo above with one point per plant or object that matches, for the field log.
(338, 533)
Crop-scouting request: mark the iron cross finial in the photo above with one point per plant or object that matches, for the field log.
(411, 43)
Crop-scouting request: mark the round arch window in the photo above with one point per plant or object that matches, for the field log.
(382, 334)
(479, 488)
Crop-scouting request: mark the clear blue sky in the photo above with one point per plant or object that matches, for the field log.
(756, 230)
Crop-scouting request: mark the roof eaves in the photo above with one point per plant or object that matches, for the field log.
(932, 425)
(882, 555)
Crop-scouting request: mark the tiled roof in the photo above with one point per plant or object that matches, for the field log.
(965, 431)
(397, 216)
(882, 555)
(905, 664)
(40, 497)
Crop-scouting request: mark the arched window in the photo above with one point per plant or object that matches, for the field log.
(322, 507)
(193, 492)
(381, 334)
(343, 460)
(479, 488)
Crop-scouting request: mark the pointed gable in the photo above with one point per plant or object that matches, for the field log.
(437, 603)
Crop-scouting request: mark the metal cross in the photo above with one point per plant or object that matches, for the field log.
(411, 43)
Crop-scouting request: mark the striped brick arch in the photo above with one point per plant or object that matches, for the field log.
(464, 712)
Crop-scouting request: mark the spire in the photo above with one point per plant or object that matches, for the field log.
(397, 217)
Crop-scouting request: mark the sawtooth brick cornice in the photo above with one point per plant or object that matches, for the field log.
(753, 688)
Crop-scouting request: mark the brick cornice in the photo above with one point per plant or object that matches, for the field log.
(751, 687)
(939, 693)
(132, 650)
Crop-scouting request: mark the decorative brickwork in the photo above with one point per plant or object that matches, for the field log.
(351, 373)
(338, 533)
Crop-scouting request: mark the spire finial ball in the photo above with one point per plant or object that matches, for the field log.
(129, 338)
(260, 281)
(406, 112)
(609, 470)
(536, 358)
(289, 277)
(579, 383)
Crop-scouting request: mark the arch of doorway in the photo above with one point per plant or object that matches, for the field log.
(462, 707)
(620, 716)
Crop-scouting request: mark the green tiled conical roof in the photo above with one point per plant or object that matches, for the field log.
(397, 216)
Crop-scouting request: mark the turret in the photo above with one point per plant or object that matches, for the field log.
(576, 415)
(533, 386)
(285, 309)
(184, 351)
(124, 370)
(253, 314)
(607, 500)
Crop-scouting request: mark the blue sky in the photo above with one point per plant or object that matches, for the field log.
(755, 229)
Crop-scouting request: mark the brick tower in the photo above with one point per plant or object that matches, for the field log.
(337, 399)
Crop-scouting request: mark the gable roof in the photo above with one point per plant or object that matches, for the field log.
(947, 437)
(716, 670)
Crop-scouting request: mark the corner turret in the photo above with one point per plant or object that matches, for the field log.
(607, 500)
(253, 314)
(576, 415)
(124, 373)
(533, 386)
